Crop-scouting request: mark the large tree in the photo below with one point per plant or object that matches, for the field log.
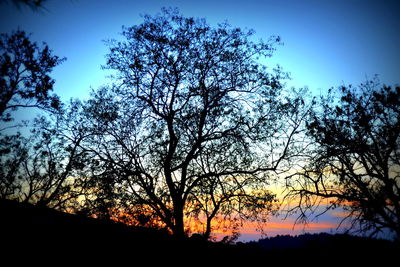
(194, 123)
(354, 160)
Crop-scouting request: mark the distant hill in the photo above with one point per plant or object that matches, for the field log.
(39, 235)
(323, 241)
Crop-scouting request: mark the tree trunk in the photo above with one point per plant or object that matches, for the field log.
(207, 233)
(179, 227)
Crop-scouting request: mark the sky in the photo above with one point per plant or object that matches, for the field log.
(325, 43)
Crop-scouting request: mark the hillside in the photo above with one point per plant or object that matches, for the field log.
(34, 233)
(32, 230)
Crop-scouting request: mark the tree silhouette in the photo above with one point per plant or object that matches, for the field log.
(47, 168)
(24, 79)
(356, 158)
(34, 168)
(194, 124)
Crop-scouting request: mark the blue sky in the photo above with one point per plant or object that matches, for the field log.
(326, 43)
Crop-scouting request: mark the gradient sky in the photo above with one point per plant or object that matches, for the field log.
(326, 43)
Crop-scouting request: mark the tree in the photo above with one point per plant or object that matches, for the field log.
(47, 168)
(24, 75)
(12, 155)
(355, 162)
(194, 124)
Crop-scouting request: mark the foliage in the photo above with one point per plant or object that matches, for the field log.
(355, 160)
(47, 168)
(24, 75)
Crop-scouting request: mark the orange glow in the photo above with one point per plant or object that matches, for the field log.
(221, 227)
(339, 214)
(250, 227)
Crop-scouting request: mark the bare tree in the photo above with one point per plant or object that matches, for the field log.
(355, 158)
(194, 124)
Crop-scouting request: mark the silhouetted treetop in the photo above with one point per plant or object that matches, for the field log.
(356, 157)
(24, 75)
(189, 49)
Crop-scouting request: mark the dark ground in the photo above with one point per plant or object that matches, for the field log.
(37, 236)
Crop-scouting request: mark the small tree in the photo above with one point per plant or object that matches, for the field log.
(355, 160)
(34, 168)
(24, 75)
(194, 124)
(48, 168)
(13, 152)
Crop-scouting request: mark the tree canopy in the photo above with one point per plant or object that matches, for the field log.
(24, 75)
(194, 122)
(355, 159)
